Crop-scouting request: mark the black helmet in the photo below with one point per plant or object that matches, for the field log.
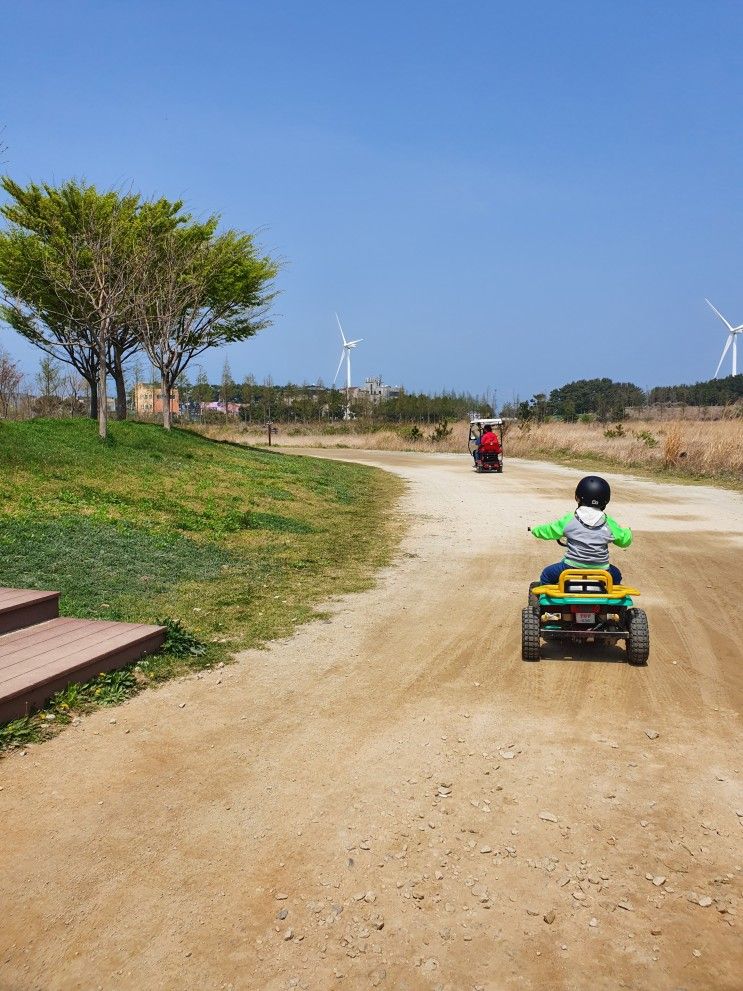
(593, 491)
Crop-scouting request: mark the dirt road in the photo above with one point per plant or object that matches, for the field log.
(394, 799)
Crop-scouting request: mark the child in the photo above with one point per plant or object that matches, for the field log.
(588, 532)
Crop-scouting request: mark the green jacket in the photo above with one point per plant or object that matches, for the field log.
(588, 533)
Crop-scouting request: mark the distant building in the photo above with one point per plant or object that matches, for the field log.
(232, 408)
(376, 391)
(148, 399)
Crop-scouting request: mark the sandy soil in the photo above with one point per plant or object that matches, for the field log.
(360, 806)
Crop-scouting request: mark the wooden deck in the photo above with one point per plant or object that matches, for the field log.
(21, 607)
(37, 661)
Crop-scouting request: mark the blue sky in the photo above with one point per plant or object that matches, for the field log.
(493, 195)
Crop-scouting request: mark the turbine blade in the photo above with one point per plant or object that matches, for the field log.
(715, 310)
(352, 344)
(728, 342)
(343, 352)
(341, 330)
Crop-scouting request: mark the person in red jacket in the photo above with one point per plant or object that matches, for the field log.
(488, 443)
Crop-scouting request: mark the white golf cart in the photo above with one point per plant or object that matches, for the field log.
(486, 460)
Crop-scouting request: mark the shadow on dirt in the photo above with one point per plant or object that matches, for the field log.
(596, 653)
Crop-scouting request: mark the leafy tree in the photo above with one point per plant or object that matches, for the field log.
(568, 411)
(227, 386)
(539, 406)
(69, 263)
(201, 290)
(715, 392)
(600, 396)
(10, 380)
(90, 277)
(247, 390)
(268, 398)
(202, 392)
(49, 378)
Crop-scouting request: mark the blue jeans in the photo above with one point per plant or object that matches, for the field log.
(552, 572)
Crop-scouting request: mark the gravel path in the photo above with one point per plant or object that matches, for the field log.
(393, 799)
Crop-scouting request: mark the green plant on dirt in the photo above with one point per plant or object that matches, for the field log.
(235, 545)
(180, 642)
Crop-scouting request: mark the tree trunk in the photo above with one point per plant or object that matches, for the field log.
(102, 404)
(93, 386)
(166, 402)
(118, 375)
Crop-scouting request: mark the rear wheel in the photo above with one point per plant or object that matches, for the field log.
(533, 599)
(530, 634)
(638, 641)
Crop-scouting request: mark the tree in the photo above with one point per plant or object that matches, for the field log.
(202, 391)
(135, 380)
(715, 392)
(268, 398)
(76, 389)
(246, 395)
(600, 396)
(69, 264)
(49, 378)
(184, 387)
(228, 386)
(539, 404)
(29, 307)
(202, 290)
(10, 380)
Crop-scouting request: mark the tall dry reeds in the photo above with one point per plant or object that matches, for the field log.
(695, 448)
(701, 448)
(673, 446)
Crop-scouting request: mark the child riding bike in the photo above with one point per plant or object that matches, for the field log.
(588, 532)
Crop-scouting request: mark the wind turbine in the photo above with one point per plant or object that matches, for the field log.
(346, 354)
(732, 335)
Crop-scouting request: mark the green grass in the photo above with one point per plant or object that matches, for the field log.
(234, 546)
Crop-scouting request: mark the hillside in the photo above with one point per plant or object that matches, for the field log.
(238, 545)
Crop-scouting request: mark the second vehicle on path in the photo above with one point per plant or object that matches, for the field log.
(485, 445)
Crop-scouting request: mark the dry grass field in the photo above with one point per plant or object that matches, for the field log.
(703, 449)
(695, 448)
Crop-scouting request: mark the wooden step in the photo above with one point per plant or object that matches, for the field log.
(38, 661)
(21, 607)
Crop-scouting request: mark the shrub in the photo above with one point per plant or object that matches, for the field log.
(441, 431)
(646, 437)
(180, 642)
(616, 431)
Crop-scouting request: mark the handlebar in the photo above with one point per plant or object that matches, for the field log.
(560, 541)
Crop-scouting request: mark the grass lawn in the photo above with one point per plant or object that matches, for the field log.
(234, 546)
